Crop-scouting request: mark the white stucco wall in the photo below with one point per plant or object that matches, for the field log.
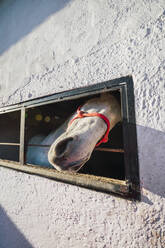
(52, 46)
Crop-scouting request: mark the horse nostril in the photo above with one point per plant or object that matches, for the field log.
(61, 147)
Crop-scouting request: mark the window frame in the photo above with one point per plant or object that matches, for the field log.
(128, 188)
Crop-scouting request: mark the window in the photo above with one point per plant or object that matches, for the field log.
(112, 167)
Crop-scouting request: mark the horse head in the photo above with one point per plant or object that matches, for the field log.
(71, 150)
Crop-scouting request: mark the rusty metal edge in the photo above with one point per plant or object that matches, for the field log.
(106, 185)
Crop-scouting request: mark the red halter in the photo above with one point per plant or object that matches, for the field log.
(81, 114)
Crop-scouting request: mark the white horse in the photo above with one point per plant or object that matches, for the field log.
(73, 142)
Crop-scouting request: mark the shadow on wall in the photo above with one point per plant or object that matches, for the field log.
(18, 18)
(151, 149)
(10, 236)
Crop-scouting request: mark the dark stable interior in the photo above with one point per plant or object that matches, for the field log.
(10, 133)
(45, 118)
(48, 117)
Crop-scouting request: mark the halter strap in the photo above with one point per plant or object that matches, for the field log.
(81, 114)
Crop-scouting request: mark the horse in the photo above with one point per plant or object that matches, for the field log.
(74, 141)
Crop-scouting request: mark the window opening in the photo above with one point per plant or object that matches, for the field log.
(112, 167)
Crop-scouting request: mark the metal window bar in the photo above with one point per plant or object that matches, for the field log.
(22, 136)
(10, 144)
(96, 149)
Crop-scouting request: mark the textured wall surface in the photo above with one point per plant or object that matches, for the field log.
(52, 46)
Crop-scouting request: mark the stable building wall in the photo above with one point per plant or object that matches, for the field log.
(52, 46)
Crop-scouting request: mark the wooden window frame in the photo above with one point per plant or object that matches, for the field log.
(128, 188)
